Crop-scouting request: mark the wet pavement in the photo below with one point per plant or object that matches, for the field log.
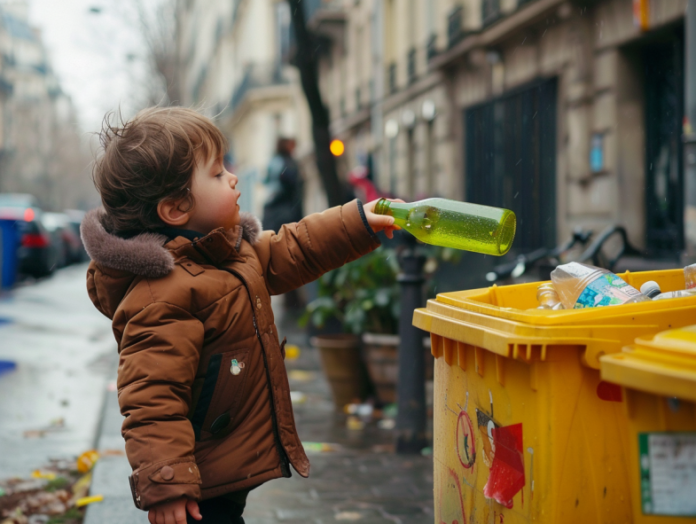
(361, 481)
(58, 352)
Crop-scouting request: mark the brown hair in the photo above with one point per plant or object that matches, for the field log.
(151, 159)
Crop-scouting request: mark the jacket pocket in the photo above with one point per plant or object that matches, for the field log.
(221, 396)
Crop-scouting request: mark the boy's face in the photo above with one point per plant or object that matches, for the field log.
(214, 190)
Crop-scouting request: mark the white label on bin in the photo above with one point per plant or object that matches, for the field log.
(668, 473)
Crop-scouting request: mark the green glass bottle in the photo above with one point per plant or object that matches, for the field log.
(460, 225)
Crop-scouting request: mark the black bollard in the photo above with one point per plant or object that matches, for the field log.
(411, 417)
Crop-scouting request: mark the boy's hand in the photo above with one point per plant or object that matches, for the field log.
(174, 512)
(380, 222)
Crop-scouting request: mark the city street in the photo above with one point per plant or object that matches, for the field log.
(63, 349)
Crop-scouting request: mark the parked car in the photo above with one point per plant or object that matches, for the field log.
(61, 230)
(75, 217)
(37, 254)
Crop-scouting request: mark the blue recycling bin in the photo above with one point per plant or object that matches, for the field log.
(9, 244)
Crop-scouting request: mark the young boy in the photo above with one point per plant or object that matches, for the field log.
(187, 279)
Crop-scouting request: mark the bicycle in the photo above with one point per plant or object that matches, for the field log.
(598, 253)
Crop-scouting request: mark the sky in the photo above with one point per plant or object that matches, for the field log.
(96, 56)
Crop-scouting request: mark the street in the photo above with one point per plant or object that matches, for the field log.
(50, 404)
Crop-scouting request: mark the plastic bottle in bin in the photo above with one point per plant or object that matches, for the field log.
(690, 276)
(548, 298)
(582, 286)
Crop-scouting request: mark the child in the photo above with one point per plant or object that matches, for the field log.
(187, 279)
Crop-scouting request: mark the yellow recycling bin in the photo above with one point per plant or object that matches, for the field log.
(658, 375)
(525, 429)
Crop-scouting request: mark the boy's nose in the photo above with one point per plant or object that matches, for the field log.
(233, 180)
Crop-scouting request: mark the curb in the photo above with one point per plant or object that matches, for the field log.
(110, 474)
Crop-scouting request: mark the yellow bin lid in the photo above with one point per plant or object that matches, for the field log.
(664, 364)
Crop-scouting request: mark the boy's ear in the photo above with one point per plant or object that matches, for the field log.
(170, 214)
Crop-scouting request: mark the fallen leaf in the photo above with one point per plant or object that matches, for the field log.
(348, 515)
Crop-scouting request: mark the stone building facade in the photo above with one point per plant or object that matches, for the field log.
(567, 111)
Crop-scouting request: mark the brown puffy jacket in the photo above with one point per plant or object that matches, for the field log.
(201, 378)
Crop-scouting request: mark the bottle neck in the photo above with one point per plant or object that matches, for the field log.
(395, 209)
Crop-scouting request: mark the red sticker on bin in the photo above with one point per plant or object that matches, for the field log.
(507, 472)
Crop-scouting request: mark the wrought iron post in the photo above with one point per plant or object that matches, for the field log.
(690, 136)
(411, 418)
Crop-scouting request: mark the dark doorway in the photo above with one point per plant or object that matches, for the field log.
(511, 160)
(663, 66)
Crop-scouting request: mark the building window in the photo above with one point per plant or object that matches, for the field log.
(431, 47)
(412, 65)
(491, 11)
(410, 163)
(455, 25)
(358, 99)
(392, 166)
(391, 77)
(430, 174)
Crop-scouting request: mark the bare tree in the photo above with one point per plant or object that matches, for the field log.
(306, 62)
(158, 26)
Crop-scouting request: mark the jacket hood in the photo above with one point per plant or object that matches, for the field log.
(145, 254)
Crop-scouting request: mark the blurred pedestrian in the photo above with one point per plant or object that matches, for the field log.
(186, 279)
(284, 201)
(284, 188)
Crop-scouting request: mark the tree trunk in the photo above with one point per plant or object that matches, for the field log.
(306, 62)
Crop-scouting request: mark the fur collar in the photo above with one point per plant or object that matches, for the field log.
(144, 255)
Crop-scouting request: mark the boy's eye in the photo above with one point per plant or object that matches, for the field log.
(218, 175)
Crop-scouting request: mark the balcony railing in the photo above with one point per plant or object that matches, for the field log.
(255, 76)
(391, 77)
(412, 65)
(455, 26)
(491, 11)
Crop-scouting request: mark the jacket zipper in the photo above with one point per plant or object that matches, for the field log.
(284, 461)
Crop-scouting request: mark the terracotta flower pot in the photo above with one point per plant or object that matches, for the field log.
(344, 367)
(382, 357)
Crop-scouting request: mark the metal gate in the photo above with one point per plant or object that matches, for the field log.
(664, 80)
(511, 160)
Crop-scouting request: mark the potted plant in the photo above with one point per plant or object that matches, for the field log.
(364, 297)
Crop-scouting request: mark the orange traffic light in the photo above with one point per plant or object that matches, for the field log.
(337, 147)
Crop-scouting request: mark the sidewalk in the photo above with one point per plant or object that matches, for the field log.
(364, 481)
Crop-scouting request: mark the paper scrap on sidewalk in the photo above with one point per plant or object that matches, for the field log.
(348, 515)
(297, 397)
(320, 447)
(300, 375)
(88, 500)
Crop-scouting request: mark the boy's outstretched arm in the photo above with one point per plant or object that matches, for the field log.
(303, 251)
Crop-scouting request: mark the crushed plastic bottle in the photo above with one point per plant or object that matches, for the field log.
(583, 286)
(682, 293)
(690, 276)
(547, 296)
